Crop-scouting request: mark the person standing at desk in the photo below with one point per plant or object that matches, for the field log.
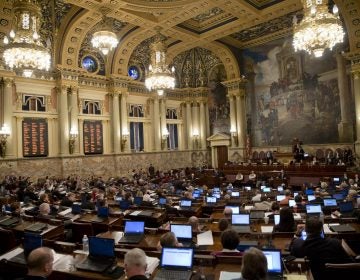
(40, 264)
(135, 264)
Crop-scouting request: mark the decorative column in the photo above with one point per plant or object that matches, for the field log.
(156, 123)
(74, 115)
(125, 134)
(188, 125)
(81, 136)
(233, 125)
(152, 124)
(203, 134)
(345, 126)
(195, 126)
(8, 83)
(163, 129)
(63, 120)
(115, 123)
(240, 118)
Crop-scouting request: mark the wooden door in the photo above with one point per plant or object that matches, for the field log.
(222, 156)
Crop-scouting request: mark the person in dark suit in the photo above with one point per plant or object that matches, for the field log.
(135, 264)
(318, 199)
(321, 250)
(287, 222)
(40, 264)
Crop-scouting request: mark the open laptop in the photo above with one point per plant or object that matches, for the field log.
(124, 204)
(185, 204)
(280, 197)
(102, 215)
(235, 209)
(101, 255)
(241, 223)
(235, 194)
(276, 219)
(275, 269)
(183, 234)
(176, 263)
(292, 202)
(330, 202)
(310, 197)
(210, 200)
(346, 209)
(134, 232)
(313, 209)
(338, 196)
(31, 241)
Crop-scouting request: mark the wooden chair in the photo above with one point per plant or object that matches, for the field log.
(8, 240)
(80, 229)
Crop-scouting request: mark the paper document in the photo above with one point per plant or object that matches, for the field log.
(12, 253)
(63, 213)
(205, 238)
(135, 213)
(152, 264)
(297, 216)
(249, 207)
(267, 229)
(226, 275)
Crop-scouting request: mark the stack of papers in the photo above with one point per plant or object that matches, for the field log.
(267, 229)
(152, 264)
(205, 238)
(135, 213)
(226, 275)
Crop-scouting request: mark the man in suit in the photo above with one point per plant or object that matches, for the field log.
(40, 264)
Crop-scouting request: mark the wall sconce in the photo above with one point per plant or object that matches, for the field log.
(124, 138)
(73, 135)
(164, 137)
(4, 134)
(196, 137)
(234, 135)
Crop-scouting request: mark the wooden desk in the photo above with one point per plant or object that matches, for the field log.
(51, 232)
(153, 218)
(100, 226)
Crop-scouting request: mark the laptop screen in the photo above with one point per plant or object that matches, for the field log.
(280, 188)
(210, 199)
(307, 192)
(330, 202)
(338, 196)
(235, 194)
(235, 209)
(76, 208)
(31, 241)
(292, 203)
(180, 258)
(267, 190)
(162, 200)
(276, 219)
(346, 206)
(217, 195)
(304, 235)
(280, 197)
(101, 247)
(124, 204)
(313, 208)
(103, 212)
(336, 180)
(217, 189)
(273, 258)
(134, 226)
(138, 200)
(181, 231)
(185, 203)
(240, 219)
(248, 188)
(295, 194)
(310, 197)
(196, 195)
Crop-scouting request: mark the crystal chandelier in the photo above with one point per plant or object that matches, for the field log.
(319, 29)
(159, 77)
(24, 49)
(104, 40)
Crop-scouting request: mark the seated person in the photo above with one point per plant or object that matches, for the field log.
(285, 201)
(287, 222)
(135, 264)
(68, 199)
(318, 199)
(194, 222)
(299, 204)
(40, 263)
(320, 250)
(227, 212)
(223, 224)
(275, 209)
(168, 239)
(45, 210)
(229, 241)
(257, 196)
(254, 265)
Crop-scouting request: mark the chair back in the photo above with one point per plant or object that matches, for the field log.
(80, 229)
(8, 240)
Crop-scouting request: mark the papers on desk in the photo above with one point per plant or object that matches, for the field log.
(135, 213)
(226, 275)
(249, 207)
(205, 238)
(327, 229)
(12, 253)
(66, 211)
(267, 229)
(268, 213)
(152, 264)
(297, 216)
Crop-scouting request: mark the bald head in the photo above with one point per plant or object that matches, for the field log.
(40, 262)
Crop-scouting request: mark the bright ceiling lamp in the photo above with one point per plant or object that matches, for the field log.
(159, 77)
(23, 48)
(319, 29)
(104, 39)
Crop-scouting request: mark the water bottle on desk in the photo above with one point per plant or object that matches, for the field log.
(85, 243)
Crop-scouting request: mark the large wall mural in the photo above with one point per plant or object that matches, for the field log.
(295, 95)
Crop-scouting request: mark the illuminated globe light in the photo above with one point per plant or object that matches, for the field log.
(319, 29)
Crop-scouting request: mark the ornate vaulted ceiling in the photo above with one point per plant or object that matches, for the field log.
(216, 25)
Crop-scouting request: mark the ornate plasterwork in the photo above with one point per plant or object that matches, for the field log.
(261, 4)
(193, 67)
(208, 15)
(141, 56)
